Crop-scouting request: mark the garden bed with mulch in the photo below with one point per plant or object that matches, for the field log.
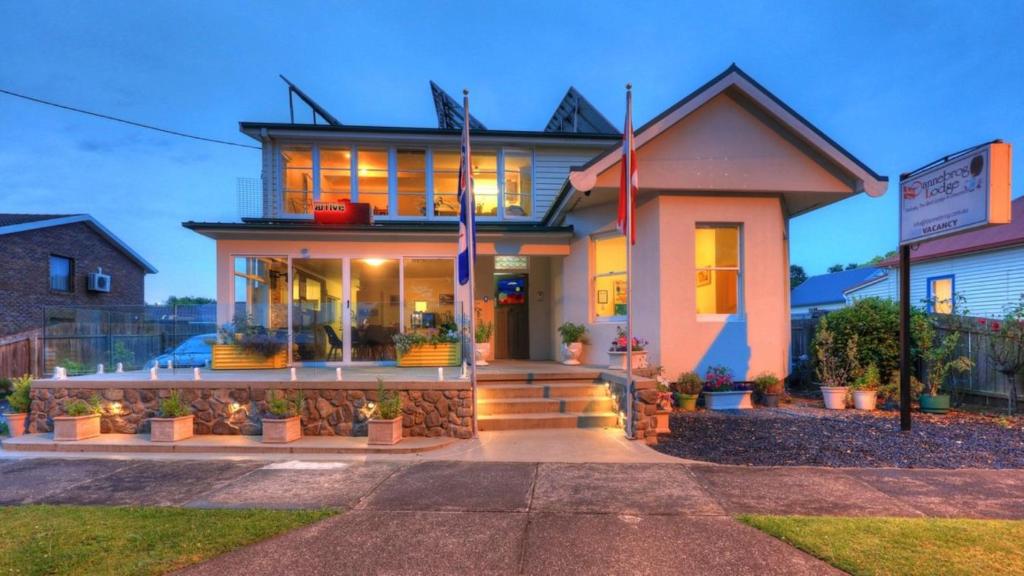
(808, 436)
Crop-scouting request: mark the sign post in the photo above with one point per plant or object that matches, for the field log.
(954, 194)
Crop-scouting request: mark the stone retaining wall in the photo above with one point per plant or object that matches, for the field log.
(446, 409)
(645, 396)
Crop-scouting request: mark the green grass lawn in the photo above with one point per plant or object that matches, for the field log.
(904, 546)
(128, 540)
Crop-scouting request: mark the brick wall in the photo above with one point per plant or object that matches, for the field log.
(25, 274)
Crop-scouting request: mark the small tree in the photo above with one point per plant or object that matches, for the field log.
(797, 275)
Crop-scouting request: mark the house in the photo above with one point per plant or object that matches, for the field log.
(827, 292)
(982, 268)
(721, 173)
(59, 260)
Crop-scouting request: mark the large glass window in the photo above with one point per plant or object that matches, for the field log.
(61, 274)
(609, 277)
(298, 180)
(412, 182)
(446, 183)
(485, 182)
(718, 269)
(518, 182)
(940, 294)
(317, 309)
(373, 179)
(375, 309)
(335, 174)
(429, 292)
(261, 294)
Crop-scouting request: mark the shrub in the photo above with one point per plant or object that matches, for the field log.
(688, 383)
(79, 407)
(282, 407)
(20, 398)
(837, 362)
(409, 340)
(5, 387)
(389, 403)
(261, 345)
(174, 406)
(890, 391)
(768, 383)
(572, 332)
(483, 332)
(869, 380)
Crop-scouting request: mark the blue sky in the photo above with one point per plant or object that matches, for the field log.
(898, 84)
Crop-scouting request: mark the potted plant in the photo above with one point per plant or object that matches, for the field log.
(18, 402)
(81, 420)
(385, 425)
(619, 349)
(282, 421)
(572, 342)
(482, 338)
(865, 388)
(175, 420)
(429, 346)
(770, 388)
(889, 393)
(687, 389)
(241, 345)
(663, 408)
(940, 364)
(721, 392)
(837, 365)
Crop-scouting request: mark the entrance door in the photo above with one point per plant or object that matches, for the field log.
(512, 317)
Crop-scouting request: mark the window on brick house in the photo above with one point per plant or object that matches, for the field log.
(61, 270)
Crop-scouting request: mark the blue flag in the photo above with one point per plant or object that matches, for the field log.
(467, 210)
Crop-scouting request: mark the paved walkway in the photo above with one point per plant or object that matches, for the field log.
(516, 517)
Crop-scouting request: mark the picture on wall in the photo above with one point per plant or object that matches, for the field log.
(620, 291)
(703, 277)
(446, 299)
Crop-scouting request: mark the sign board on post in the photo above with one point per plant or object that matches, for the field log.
(968, 190)
(342, 212)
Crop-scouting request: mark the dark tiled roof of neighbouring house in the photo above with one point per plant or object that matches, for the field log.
(22, 223)
(829, 288)
(12, 219)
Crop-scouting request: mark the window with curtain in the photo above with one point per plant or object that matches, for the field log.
(61, 273)
(940, 295)
(718, 269)
(609, 278)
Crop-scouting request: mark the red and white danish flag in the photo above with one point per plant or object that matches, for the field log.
(628, 152)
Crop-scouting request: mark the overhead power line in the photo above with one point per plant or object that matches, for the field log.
(123, 121)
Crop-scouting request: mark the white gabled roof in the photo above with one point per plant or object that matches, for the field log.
(36, 222)
(584, 178)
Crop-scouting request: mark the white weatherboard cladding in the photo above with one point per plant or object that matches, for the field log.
(989, 281)
(551, 170)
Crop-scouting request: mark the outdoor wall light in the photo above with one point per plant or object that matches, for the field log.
(115, 408)
(235, 407)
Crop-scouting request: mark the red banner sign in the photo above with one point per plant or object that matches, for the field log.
(342, 213)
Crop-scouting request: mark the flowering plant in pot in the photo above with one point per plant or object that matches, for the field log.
(81, 420)
(282, 421)
(836, 365)
(620, 347)
(18, 402)
(722, 392)
(770, 388)
(572, 342)
(687, 389)
(865, 388)
(175, 421)
(385, 425)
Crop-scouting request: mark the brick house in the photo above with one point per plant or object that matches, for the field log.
(50, 259)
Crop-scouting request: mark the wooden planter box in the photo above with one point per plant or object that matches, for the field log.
(70, 428)
(234, 357)
(384, 431)
(170, 429)
(280, 431)
(446, 354)
(16, 423)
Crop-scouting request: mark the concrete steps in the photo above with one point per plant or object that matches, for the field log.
(528, 402)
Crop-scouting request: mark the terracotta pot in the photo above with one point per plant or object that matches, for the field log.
(483, 350)
(170, 429)
(71, 428)
(571, 353)
(663, 427)
(384, 432)
(617, 360)
(16, 423)
(865, 399)
(282, 430)
(834, 396)
(728, 400)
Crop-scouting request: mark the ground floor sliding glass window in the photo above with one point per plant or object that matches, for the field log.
(261, 294)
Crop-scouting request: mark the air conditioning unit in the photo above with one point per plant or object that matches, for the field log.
(99, 282)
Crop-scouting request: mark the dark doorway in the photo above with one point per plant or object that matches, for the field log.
(512, 317)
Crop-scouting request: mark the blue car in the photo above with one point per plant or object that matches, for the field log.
(192, 352)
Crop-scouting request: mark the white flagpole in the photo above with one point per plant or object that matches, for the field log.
(630, 432)
(471, 246)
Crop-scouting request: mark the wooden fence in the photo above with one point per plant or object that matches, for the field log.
(984, 379)
(20, 354)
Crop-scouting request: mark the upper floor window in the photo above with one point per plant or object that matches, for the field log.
(373, 179)
(61, 274)
(446, 183)
(335, 174)
(718, 269)
(412, 182)
(298, 180)
(940, 295)
(518, 182)
(609, 283)
(485, 182)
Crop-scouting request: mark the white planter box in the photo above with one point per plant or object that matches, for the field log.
(617, 360)
(728, 400)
